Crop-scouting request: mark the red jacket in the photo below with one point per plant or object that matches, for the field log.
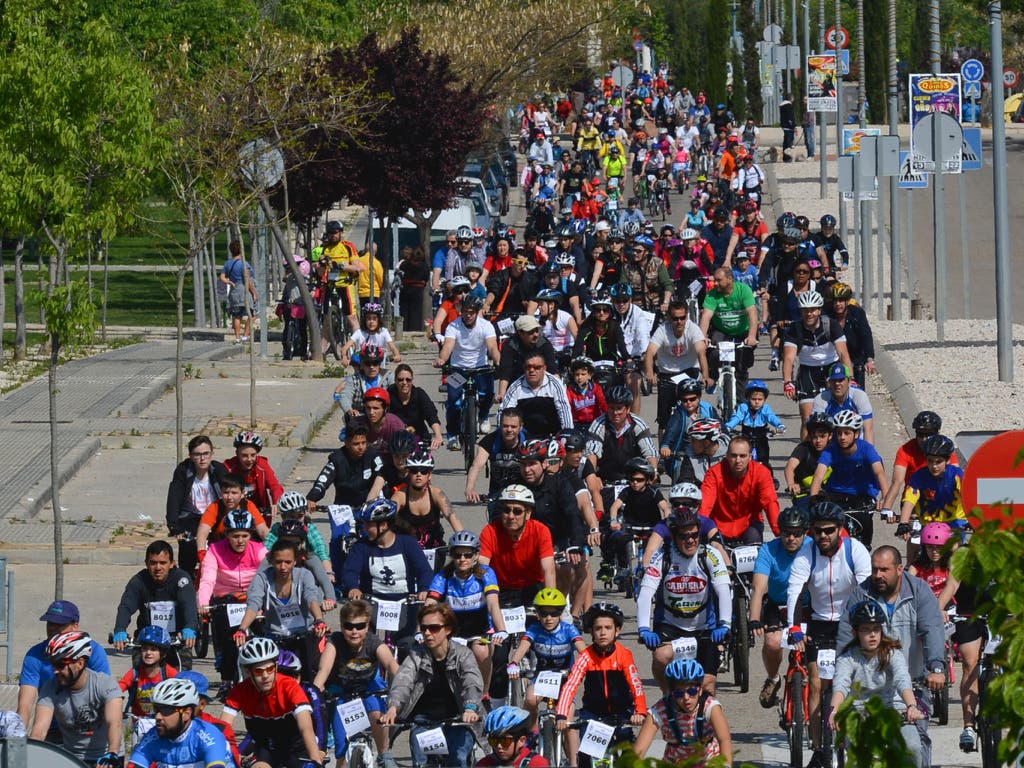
(261, 485)
(737, 503)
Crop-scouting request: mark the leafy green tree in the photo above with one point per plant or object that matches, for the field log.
(717, 30)
(876, 40)
(746, 22)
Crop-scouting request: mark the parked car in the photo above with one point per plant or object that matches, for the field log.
(461, 213)
(507, 153)
(496, 187)
(488, 214)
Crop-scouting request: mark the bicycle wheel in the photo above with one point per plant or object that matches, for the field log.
(940, 705)
(549, 741)
(741, 643)
(516, 691)
(202, 640)
(469, 428)
(796, 726)
(726, 395)
(330, 329)
(988, 734)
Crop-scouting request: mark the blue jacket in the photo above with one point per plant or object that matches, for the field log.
(675, 432)
(404, 556)
(745, 416)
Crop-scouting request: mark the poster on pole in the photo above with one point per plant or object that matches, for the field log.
(821, 82)
(851, 146)
(932, 94)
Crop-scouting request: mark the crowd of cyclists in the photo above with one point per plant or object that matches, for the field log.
(449, 631)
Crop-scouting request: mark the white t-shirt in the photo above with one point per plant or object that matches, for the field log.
(379, 338)
(470, 343)
(677, 353)
(687, 135)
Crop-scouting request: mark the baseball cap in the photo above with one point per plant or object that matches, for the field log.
(839, 371)
(602, 226)
(527, 323)
(61, 612)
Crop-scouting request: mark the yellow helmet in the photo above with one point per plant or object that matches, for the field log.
(549, 598)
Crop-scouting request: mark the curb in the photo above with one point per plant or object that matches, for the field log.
(902, 394)
(304, 432)
(81, 555)
(66, 469)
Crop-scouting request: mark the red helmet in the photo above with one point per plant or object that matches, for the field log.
(534, 450)
(378, 393)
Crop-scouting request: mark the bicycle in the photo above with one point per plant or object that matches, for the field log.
(628, 578)
(398, 621)
(333, 319)
(436, 749)
(622, 732)
(727, 388)
(468, 405)
(550, 742)
(740, 637)
(793, 718)
(989, 732)
(361, 749)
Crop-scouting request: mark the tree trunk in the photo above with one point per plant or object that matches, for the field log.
(3, 303)
(106, 288)
(179, 360)
(58, 534)
(20, 323)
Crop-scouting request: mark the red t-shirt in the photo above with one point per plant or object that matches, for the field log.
(141, 705)
(517, 563)
(912, 457)
(536, 761)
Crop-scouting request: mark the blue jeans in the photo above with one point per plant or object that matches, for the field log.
(460, 745)
(485, 398)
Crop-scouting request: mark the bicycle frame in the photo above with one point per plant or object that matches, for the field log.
(793, 707)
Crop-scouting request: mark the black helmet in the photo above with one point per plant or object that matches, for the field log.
(640, 465)
(794, 517)
(682, 517)
(866, 612)
(803, 222)
(621, 290)
(827, 512)
(574, 441)
(402, 442)
(828, 220)
(928, 421)
(938, 445)
(618, 395)
(469, 301)
(599, 609)
(689, 387)
(819, 421)
(565, 230)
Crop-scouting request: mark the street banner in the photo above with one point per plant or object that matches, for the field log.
(821, 82)
(932, 94)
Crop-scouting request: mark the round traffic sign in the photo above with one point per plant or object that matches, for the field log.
(837, 37)
(972, 70)
(994, 479)
(1010, 77)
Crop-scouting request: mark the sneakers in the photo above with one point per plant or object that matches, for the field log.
(386, 760)
(485, 427)
(773, 364)
(453, 443)
(606, 572)
(968, 739)
(770, 693)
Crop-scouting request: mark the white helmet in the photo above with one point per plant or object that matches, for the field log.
(517, 493)
(810, 300)
(175, 692)
(848, 420)
(689, 234)
(258, 650)
(684, 491)
(291, 502)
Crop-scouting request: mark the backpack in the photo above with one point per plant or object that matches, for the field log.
(698, 723)
(847, 550)
(133, 691)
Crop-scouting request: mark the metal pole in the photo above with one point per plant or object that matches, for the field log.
(865, 253)
(839, 128)
(822, 122)
(862, 89)
(262, 278)
(879, 260)
(939, 190)
(1004, 308)
(963, 249)
(895, 257)
(910, 244)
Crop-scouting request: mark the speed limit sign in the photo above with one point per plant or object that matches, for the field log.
(837, 37)
(1010, 78)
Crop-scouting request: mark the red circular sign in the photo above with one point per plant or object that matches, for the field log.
(1010, 77)
(837, 37)
(994, 478)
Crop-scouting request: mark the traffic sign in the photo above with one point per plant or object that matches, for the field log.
(994, 479)
(939, 144)
(843, 62)
(908, 178)
(837, 37)
(972, 89)
(972, 159)
(972, 70)
(772, 34)
(1010, 77)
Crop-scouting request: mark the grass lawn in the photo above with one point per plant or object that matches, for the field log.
(160, 238)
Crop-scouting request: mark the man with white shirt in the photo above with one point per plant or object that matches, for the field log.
(540, 396)
(468, 342)
(679, 347)
(541, 151)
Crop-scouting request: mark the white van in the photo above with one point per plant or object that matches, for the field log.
(404, 231)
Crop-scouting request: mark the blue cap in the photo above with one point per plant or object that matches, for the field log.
(61, 612)
(839, 371)
(198, 680)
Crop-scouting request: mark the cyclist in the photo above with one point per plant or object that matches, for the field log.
(212, 523)
(497, 454)
(694, 598)
(351, 390)
(181, 739)
(750, 223)
(800, 466)
(600, 336)
(859, 338)
(708, 445)
(817, 344)
(471, 591)
(510, 292)
(559, 327)
(683, 498)
(737, 491)
(689, 719)
(754, 417)
(830, 247)
(730, 314)
(353, 663)
(195, 485)
(161, 594)
(540, 397)
(371, 332)
(508, 731)
(354, 470)
(934, 492)
(526, 341)
(439, 681)
(343, 255)
(468, 343)
(518, 549)
(277, 712)
(414, 407)
(422, 506)
(639, 505)
(636, 331)
(85, 704)
(381, 425)
(615, 438)
(909, 613)
(691, 408)
(651, 287)
(910, 458)
(829, 567)
(385, 563)
(261, 485)
(679, 347)
(586, 396)
(314, 556)
(768, 597)
(203, 689)
(857, 481)
(141, 679)
(841, 396)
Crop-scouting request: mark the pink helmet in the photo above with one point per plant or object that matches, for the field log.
(936, 533)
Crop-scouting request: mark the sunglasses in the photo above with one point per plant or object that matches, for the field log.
(513, 511)
(164, 709)
(601, 310)
(501, 741)
(62, 663)
(688, 536)
(431, 628)
(264, 671)
(679, 319)
(420, 471)
(534, 367)
(357, 625)
(638, 480)
(691, 399)
(463, 555)
(801, 271)
(404, 379)
(548, 613)
(829, 531)
(794, 533)
(680, 692)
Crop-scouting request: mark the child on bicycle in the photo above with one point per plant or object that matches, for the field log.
(139, 681)
(554, 643)
(754, 417)
(586, 397)
(507, 730)
(800, 466)
(353, 663)
(681, 169)
(613, 691)
(640, 505)
(934, 491)
(872, 664)
(314, 555)
(474, 271)
(689, 719)
(371, 332)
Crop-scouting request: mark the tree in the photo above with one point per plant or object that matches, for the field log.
(747, 25)
(717, 39)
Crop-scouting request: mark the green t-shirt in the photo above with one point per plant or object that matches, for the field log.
(731, 311)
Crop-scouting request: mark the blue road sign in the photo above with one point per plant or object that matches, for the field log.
(908, 178)
(972, 89)
(972, 158)
(843, 65)
(972, 70)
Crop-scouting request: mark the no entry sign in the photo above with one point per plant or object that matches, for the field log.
(994, 478)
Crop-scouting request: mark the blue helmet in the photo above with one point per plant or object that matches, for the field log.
(377, 510)
(643, 240)
(505, 720)
(620, 290)
(154, 635)
(289, 663)
(685, 670)
(198, 679)
(756, 385)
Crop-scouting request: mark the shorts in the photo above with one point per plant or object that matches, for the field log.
(238, 311)
(773, 615)
(811, 380)
(820, 634)
(707, 651)
(969, 631)
(283, 757)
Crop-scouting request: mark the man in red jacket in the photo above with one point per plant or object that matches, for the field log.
(736, 492)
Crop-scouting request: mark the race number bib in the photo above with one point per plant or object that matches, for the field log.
(685, 647)
(433, 742)
(695, 287)
(596, 738)
(507, 326)
(744, 559)
(993, 644)
(727, 351)
(515, 620)
(456, 379)
(389, 617)
(235, 613)
(341, 516)
(827, 663)
(291, 616)
(548, 684)
(161, 614)
(353, 717)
